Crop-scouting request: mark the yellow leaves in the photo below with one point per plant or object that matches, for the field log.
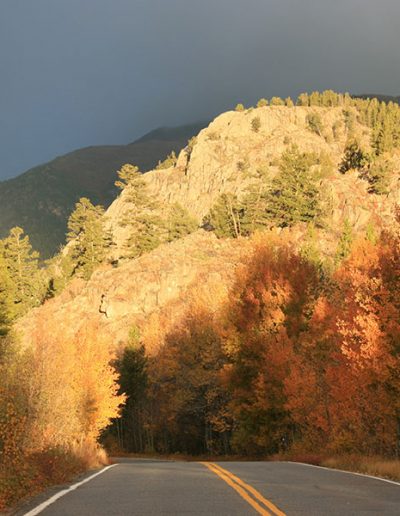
(59, 392)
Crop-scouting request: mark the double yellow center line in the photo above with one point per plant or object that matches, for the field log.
(247, 492)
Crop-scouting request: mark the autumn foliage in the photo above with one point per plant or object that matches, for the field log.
(55, 398)
(293, 358)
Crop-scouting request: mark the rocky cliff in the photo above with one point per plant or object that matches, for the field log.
(155, 286)
(224, 153)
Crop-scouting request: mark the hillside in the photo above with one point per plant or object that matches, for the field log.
(241, 300)
(196, 182)
(41, 200)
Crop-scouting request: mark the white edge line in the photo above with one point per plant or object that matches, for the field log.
(58, 495)
(344, 471)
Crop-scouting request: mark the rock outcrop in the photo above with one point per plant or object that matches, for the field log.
(228, 148)
(134, 292)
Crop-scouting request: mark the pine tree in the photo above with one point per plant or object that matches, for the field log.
(146, 233)
(262, 103)
(378, 176)
(315, 98)
(354, 158)
(256, 124)
(310, 251)
(179, 223)
(133, 381)
(254, 204)
(303, 99)
(226, 216)
(27, 282)
(277, 101)
(383, 141)
(5, 295)
(170, 161)
(88, 237)
(314, 123)
(345, 242)
(127, 175)
(293, 194)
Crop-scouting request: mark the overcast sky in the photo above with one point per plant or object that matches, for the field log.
(81, 72)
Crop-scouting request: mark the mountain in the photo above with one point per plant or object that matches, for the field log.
(379, 96)
(262, 332)
(41, 200)
(118, 297)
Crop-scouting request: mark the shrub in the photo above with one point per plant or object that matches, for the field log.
(354, 158)
(314, 123)
(256, 124)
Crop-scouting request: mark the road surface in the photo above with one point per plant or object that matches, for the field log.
(159, 487)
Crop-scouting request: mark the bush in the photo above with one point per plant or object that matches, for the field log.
(354, 158)
(256, 124)
(314, 123)
(378, 176)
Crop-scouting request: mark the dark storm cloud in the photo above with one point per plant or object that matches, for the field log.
(82, 72)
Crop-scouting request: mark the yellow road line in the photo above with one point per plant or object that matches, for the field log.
(253, 491)
(238, 489)
(243, 489)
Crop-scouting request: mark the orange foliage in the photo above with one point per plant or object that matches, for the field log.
(55, 398)
(293, 357)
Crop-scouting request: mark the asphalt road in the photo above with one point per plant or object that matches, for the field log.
(157, 487)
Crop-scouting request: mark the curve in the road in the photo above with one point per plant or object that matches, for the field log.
(149, 487)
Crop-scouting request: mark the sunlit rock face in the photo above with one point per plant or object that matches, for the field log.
(157, 285)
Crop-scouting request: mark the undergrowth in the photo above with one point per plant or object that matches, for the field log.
(33, 473)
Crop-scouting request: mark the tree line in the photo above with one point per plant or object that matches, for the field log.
(296, 359)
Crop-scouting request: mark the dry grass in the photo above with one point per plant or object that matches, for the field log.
(375, 466)
(369, 465)
(37, 471)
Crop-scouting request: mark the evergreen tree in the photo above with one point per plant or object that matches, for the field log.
(277, 101)
(5, 295)
(262, 103)
(88, 237)
(303, 99)
(383, 140)
(349, 121)
(314, 123)
(293, 194)
(255, 204)
(133, 381)
(256, 124)
(289, 102)
(26, 282)
(226, 216)
(336, 127)
(128, 175)
(239, 107)
(378, 176)
(179, 223)
(170, 161)
(309, 251)
(315, 98)
(345, 242)
(146, 233)
(329, 98)
(354, 158)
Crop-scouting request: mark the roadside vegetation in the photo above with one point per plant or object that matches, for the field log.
(301, 359)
